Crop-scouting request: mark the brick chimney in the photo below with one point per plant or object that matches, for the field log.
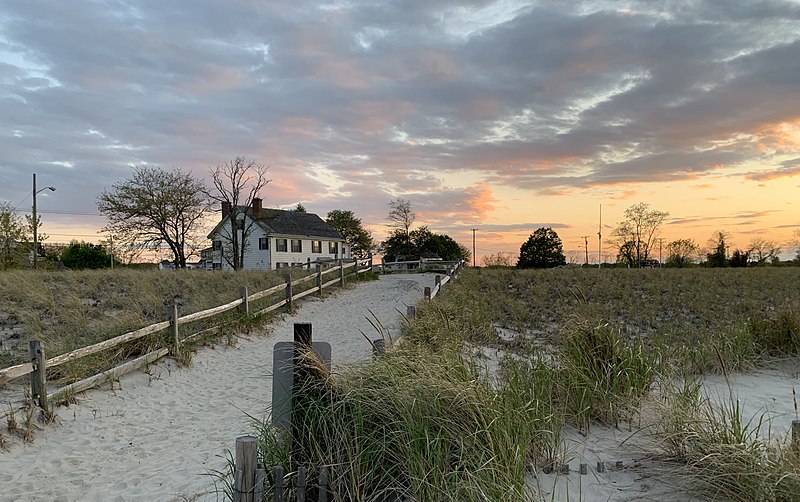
(226, 209)
(256, 207)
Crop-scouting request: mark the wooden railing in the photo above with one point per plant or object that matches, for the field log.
(38, 364)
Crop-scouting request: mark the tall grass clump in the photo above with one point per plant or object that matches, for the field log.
(729, 455)
(605, 376)
(412, 424)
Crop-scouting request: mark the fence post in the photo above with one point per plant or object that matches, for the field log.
(319, 278)
(277, 483)
(420, 264)
(289, 294)
(246, 455)
(245, 306)
(796, 437)
(411, 312)
(308, 264)
(378, 347)
(427, 293)
(258, 490)
(341, 273)
(370, 263)
(173, 326)
(437, 281)
(383, 265)
(38, 378)
(301, 484)
(323, 484)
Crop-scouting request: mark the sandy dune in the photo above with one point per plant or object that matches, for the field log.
(156, 436)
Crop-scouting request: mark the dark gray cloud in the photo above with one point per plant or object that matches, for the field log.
(355, 103)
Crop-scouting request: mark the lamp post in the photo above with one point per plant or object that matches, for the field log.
(36, 220)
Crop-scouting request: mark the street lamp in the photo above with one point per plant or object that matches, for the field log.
(36, 220)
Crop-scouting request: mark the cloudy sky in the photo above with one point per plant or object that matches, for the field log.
(497, 115)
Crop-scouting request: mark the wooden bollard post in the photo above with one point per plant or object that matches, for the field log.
(261, 477)
(308, 264)
(38, 377)
(319, 279)
(246, 460)
(323, 484)
(411, 312)
(601, 467)
(277, 483)
(437, 281)
(244, 308)
(796, 437)
(427, 293)
(300, 496)
(303, 340)
(289, 294)
(383, 265)
(173, 326)
(584, 469)
(341, 273)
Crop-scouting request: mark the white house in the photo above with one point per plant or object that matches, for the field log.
(275, 239)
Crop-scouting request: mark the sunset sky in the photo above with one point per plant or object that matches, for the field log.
(503, 116)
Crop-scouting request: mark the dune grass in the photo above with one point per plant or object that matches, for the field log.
(72, 309)
(430, 422)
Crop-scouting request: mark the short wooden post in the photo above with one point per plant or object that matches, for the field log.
(796, 437)
(323, 484)
(38, 377)
(341, 273)
(301, 484)
(319, 279)
(565, 469)
(427, 293)
(277, 483)
(308, 264)
(244, 308)
(370, 263)
(420, 264)
(173, 326)
(601, 466)
(246, 458)
(238, 479)
(411, 312)
(261, 476)
(383, 265)
(437, 281)
(289, 294)
(379, 347)
(584, 469)
(303, 340)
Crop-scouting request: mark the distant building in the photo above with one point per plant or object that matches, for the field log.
(276, 239)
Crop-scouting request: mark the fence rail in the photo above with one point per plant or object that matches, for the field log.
(37, 367)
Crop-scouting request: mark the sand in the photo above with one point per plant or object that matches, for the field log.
(157, 435)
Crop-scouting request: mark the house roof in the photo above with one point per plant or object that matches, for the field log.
(278, 221)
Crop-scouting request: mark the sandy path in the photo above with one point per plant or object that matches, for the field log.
(156, 436)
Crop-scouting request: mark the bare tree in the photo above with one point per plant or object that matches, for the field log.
(236, 184)
(794, 243)
(762, 249)
(682, 252)
(155, 207)
(635, 234)
(401, 217)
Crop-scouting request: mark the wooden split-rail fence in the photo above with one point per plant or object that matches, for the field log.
(38, 363)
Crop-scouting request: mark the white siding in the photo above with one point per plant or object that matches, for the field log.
(267, 259)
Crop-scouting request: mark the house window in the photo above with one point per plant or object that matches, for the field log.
(316, 246)
(282, 264)
(333, 247)
(297, 246)
(280, 245)
(217, 245)
(263, 243)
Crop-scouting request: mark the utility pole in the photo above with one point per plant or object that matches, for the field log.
(111, 245)
(600, 239)
(586, 248)
(660, 243)
(473, 247)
